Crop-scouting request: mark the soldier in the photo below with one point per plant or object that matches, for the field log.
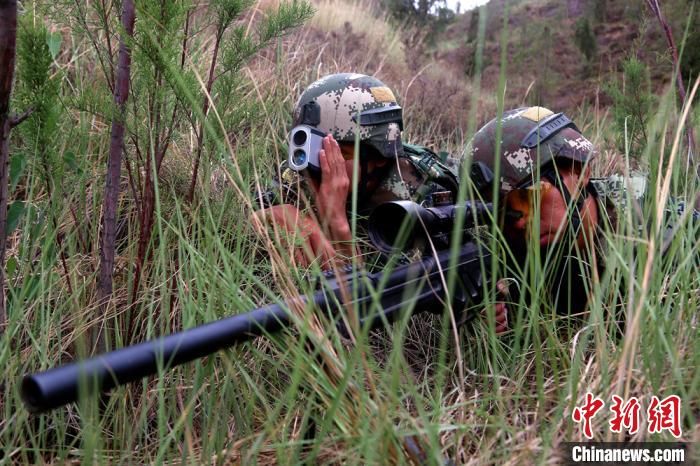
(388, 168)
(545, 189)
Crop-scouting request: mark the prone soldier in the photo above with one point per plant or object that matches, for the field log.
(545, 195)
(547, 198)
(343, 107)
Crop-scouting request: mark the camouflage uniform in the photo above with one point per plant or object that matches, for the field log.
(347, 104)
(615, 190)
(530, 138)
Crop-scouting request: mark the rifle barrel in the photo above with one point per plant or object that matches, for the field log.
(50, 389)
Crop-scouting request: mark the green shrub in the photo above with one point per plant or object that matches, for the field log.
(37, 90)
(585, 39)
(632, 102)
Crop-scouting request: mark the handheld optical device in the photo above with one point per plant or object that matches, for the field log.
(304, 144)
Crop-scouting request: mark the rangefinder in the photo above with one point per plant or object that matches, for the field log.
(304, 144)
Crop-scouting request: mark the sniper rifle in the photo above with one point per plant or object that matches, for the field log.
(378, 298)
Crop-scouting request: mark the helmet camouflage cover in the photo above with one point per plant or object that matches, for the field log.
(530, 137)
(332, 104)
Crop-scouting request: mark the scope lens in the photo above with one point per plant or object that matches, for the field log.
(386, 227)
(299, 157)
(299, 137)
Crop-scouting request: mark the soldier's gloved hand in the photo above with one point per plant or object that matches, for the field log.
(332, 191)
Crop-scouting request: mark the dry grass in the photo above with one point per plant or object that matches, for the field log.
(380, 37)
(250, 404)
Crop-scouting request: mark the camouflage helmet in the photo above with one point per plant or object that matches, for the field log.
(530, 137)
(332, 104)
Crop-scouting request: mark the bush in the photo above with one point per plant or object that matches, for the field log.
(585, 39)
(38, 90)
(632, 101)
(690, 59)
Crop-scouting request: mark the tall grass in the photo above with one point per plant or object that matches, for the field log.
(308, 394)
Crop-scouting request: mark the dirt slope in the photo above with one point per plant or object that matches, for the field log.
(544, 63)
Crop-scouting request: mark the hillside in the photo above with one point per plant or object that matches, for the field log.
(432, 68)
(543, 55)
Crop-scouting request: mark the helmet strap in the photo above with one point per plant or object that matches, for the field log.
(362, 183)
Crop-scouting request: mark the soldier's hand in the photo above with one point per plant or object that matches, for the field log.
(332, 191)
(501, 308)
(313, 247)
(501, 317)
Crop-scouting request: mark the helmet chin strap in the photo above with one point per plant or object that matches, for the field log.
(362, 183)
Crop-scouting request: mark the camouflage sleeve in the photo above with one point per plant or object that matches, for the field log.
(615, 189)
(679, 206)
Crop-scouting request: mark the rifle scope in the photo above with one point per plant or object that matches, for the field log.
(401, 225)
